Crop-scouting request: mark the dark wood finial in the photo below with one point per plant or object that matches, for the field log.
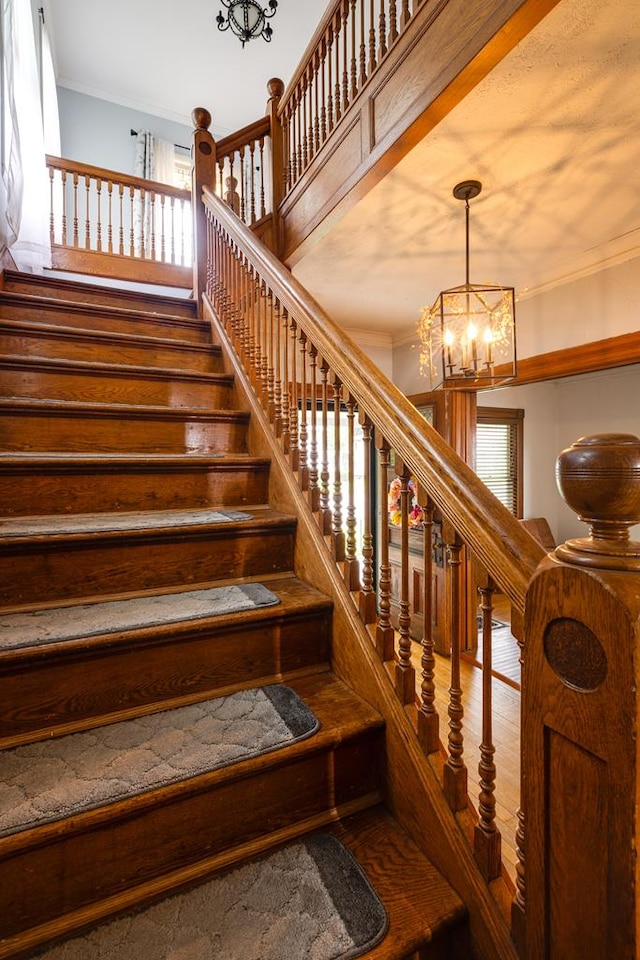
(275, 88)
(201, 118)
(599, 478)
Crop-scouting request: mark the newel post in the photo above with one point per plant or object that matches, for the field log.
(275, 88)
(580, 712)
(203, 158)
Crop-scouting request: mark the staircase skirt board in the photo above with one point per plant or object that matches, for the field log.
(81, 427)
(49, 688)
(126, 843)
(66, 483)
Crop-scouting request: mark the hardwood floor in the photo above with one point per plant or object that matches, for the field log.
(506, 725)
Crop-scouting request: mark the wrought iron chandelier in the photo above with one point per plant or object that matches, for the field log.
(468, 336)
(247, 19)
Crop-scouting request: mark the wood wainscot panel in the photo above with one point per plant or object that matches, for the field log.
(314, 196)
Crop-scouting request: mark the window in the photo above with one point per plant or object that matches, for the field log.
(499, 454)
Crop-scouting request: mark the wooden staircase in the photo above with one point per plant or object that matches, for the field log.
(120, 441)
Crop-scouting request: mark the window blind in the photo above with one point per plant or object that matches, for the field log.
(497, 461)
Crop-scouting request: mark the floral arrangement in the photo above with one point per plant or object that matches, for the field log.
(416, 513)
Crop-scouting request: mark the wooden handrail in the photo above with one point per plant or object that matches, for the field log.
(234, 141)
(99, 173)
(508, 553)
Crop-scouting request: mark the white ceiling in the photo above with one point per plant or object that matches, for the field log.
(553, 134)
(165, 57)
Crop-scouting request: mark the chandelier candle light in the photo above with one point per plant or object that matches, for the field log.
(468, 335)
(247, 19)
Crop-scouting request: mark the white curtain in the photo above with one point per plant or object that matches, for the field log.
(155, 160)
(24, 217)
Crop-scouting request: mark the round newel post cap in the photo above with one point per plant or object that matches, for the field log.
(201, 118)
(599, 478)
(275, 88)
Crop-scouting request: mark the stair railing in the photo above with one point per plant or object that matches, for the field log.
(317, 390)
(114, 224)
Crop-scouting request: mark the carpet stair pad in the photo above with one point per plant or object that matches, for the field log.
(48, 781)
(101, 523)
(57, 624)
(309, 900)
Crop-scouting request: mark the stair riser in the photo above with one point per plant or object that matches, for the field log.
(81, 868)
(68, 690)
(65, 570)
(33, 344)
(183, 330)
(131, 488)
(44, 383)
(112, 433)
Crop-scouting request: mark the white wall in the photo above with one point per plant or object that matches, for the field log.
(99, 132)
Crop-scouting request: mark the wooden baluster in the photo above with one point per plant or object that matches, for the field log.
(518, 907)
(163, 246)
(367, 599)
(132, 246)
(428, 720)
(258, 355)
(329, 79)
(52, 230)
(250, 344)
(303, 120)
(121, 216)
(278, 416)
(294, 140)
(323, 92)
(382, 31)
(220, 164)
(76, 239)
(263, 209)
(286, 396)
(182, 233)
(264, 290)
(486, 840)
(242, 209)
(337, 99)
(316, 104)
(314, 489)
(405, 16)
(110, 221)
(405, 678)
(337, 533)
(345, 56)
(294, 449)
(99, 215)
(152, 225)
(64, 207)
(385, 635)
(269, 352)
(455, 771)
(363, 47)
(303, 436)
(87, 207)
(354, 51)
(325, 508)
(300, 131)
(351, 564)
(172, 208)
(372, 39)
(393, 30)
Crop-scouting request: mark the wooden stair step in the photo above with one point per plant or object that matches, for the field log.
(28, 339)
(83, 381)
(87, 483)
(73, 556)
(78, 289)
(113, 854)
(53, 686)
(50, 426)
(87, 316)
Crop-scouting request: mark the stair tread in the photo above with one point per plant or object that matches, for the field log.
(24, 458)
(11, 298)
(118, 369)
(108, 768)
(77, 525)
(114, 337)
(118, 620)
(139, 409)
